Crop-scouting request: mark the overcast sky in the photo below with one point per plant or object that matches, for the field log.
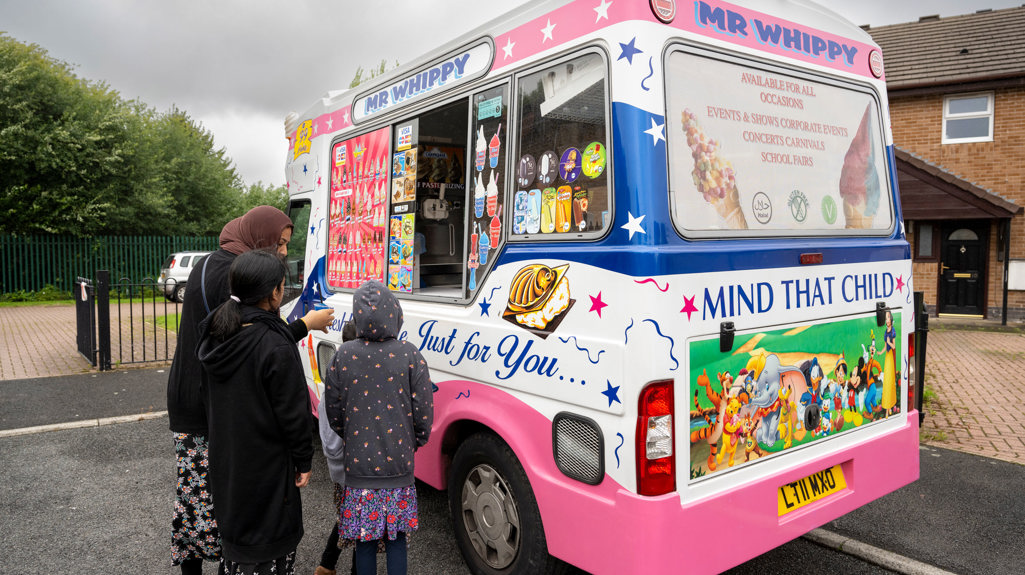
(239, 66)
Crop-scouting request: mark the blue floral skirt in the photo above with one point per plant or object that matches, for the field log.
(373, 514)
(194, 533)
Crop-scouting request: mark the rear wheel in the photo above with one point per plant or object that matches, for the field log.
(495, 516)
(179, 293)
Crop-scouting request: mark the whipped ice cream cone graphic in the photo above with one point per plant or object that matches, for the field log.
(859, 181)
(713, 175)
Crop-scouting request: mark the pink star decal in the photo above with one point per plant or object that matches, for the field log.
(900, 284)
(597, 304)
(689, 307)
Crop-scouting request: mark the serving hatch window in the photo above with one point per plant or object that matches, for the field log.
(562, 181)
(757, 151)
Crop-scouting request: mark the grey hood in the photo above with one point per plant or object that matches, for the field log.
(376, 312)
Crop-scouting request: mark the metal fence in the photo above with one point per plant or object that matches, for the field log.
(124, 322)
(30, 263)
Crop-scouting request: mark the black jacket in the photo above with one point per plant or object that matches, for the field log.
(378, 394)
(185, 408)
(260, 424)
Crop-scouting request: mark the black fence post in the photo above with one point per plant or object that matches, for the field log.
(103, 317)
(85, 319)
(921, 342)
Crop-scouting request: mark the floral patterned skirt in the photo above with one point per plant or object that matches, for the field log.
(373, 514)
(194, 532)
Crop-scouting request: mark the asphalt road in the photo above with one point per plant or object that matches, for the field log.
(98, 499)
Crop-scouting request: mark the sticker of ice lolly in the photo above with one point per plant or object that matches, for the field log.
(479, 197)
(563, 208)
(534, 211)
(525, 171)
(569, 167)
(496, 230)
(481, 150)
(492, 195)
(521, 206)
(493, 148)
(548, 211)
(580, 201)
(547, 168)
(485, 244)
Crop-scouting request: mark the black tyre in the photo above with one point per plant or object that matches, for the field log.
(494, 513)
(179, 293)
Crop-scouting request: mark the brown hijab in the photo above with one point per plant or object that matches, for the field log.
(260, 227)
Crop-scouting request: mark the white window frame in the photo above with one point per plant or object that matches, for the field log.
(988, 113)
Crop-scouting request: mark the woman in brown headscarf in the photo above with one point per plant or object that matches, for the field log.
(194, 535)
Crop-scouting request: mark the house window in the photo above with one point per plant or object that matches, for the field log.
(968, 118)
(924, 242)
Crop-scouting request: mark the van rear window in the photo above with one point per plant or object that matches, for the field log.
(761, 151)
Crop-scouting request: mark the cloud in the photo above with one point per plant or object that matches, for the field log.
(239, 66)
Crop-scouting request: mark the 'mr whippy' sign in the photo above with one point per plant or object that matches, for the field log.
(447, 73)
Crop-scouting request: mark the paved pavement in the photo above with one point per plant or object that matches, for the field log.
(973, 372)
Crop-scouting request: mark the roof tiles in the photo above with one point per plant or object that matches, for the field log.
(981, 46)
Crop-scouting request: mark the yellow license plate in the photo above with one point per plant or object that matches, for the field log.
(810, 489)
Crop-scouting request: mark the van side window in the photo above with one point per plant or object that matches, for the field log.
(759, 150)
(562, 182)
(487, 218)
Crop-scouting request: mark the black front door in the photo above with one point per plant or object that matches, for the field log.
(963, 251)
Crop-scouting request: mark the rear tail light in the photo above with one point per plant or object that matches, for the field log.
(656, 460)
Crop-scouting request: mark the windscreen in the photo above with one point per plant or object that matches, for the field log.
(757, 151)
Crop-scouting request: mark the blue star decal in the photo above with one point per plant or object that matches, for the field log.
(628, 51)
(611, 392)
(485, 307)
(313, 229)
(305, 169)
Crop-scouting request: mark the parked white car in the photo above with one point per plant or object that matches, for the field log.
(174, 274)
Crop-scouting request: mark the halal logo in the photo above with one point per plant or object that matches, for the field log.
(798, 203)
(761, 207)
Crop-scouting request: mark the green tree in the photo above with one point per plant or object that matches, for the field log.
(364, 76)
(260, 194)
(75, 158)
(62, 144)
(200, 181)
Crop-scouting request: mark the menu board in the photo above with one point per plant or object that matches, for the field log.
(754, 149)
(402, 222)
(356, 231)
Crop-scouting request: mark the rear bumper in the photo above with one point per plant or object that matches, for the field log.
(635, 534)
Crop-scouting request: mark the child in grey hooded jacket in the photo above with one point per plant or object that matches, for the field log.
(378, 398)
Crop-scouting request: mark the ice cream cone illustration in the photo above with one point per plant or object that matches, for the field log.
(859, 181)
(713, 175)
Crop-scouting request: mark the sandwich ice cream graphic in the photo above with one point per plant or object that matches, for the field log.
(538, 295)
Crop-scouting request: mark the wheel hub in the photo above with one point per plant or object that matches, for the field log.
(490, 516)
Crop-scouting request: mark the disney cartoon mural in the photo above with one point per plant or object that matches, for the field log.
(790, 388)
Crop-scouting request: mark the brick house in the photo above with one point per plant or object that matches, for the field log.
(957, 105)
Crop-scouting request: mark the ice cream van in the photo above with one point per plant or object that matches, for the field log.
(653, 253)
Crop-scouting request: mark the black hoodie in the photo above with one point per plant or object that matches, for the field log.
(259, 419)
(378, 394)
